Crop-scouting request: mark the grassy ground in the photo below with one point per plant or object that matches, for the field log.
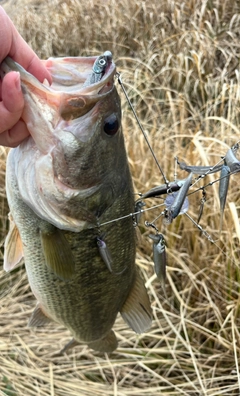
(180, 64)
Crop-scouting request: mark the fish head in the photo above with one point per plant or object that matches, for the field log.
(73, 165)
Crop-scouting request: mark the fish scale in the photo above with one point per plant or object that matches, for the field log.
(91, 310)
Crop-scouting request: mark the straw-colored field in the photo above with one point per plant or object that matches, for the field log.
(180, 64)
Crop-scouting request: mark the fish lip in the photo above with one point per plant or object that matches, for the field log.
(104, 86)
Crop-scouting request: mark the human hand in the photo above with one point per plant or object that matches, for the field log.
(13, 130)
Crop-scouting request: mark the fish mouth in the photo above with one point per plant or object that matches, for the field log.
(71, 76)
(85, 76)
(78, 83)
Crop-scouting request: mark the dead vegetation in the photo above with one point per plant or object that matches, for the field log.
(180, 64)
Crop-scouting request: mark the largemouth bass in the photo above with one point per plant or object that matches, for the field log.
(63, 182)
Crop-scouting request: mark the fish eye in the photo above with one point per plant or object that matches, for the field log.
(111, 125)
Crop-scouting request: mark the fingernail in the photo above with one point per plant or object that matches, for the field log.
(18, 81)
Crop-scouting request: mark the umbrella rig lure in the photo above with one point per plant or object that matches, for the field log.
(176, 201)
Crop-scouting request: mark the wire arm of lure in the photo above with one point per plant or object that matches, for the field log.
(140, 126)
(128, 215)
(204, 232)
(202, 202)
(147, 224)
(208, 236)
(210, 183)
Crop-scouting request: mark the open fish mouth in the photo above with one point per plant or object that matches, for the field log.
(69, 74)
(78, 83)
(86, 76)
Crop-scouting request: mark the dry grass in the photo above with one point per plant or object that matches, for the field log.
(179, 61)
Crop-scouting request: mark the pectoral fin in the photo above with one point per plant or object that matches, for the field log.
(137, 311)
(13, 248)
(38, 318)
(57, 253)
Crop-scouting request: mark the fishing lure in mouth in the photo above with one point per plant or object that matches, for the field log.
(99, 68)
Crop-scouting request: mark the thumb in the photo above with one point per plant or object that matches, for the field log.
(12, 103)
(11, 93)
(12, 131)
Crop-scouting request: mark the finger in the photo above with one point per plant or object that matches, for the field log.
(23, 54)
(12, 44)
(12, 96)
(12, 103)
(14, 136)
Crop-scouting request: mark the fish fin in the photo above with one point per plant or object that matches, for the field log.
(107, 344)
(57, 253)
(137, 311)
(13, 248)
(38, 318)
(72, 343)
